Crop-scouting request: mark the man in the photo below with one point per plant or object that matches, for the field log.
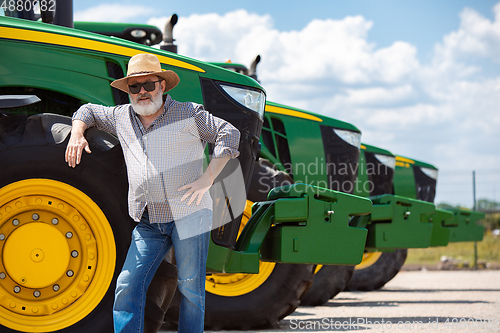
(163, 143)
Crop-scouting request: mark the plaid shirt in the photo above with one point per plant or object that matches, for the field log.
(166, 155)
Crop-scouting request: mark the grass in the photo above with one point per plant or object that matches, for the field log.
(488, 251)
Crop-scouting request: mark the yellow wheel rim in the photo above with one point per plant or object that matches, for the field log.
(239, 284)
(369, 258)
(57, 255)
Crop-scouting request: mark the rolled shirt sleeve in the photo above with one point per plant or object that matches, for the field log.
(102, 117)
(221, 133)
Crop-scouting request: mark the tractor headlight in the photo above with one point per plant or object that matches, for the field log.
(352, 138)
(254, 100)
(387, 160)
(432, 173)
(138, 33)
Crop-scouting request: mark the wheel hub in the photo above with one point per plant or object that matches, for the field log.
(57, 255)
(36, 255)
(40, 234)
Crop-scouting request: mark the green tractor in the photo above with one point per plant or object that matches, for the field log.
(76, 221)
(302, 145)
(402, 192)
(416, 179)
(403, 216)
(383, 260)
(372, 177)
(64, 232)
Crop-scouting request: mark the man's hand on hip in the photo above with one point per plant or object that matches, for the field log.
(203, 184)
(77, 143)
(197, 189)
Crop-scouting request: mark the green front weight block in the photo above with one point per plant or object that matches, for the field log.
(442, 224)
(300, 224)
(311, 226)
(397, 222)
(467, 229)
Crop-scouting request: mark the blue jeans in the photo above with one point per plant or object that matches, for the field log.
(150, 244)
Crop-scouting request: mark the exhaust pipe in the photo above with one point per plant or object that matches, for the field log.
(252, 71)
(64, 13)
(168, 35)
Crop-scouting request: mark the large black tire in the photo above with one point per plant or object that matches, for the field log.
(379, 273)
(32, 150)
(246, 304)
(265, 306)
(329, 280)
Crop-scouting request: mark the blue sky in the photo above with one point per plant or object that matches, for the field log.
(419, 78)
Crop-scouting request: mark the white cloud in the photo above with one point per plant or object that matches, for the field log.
(214, 37)
(113, 13)
(372, 96)
(445, 112)
(477, 36)
(322, 49)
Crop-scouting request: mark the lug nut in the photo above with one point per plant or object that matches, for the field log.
(37, 293)
(56, 287)
(2, 275)
(70, 273)
(69, 234)
(35, 216)
(2, 237)
(55, 221)
(15, 222)
(74, 253)
(17, 289)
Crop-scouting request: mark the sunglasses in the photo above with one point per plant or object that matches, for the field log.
(148, 86)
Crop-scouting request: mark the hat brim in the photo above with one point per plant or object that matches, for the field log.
(171, 79)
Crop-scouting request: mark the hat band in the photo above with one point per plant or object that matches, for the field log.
(142, 72)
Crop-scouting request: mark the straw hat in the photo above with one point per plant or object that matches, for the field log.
(146, 64)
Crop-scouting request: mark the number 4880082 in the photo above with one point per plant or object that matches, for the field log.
(28, 5)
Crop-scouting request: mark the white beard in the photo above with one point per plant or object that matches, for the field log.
(151, 107)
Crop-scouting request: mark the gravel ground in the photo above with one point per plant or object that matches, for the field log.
(421, 301)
